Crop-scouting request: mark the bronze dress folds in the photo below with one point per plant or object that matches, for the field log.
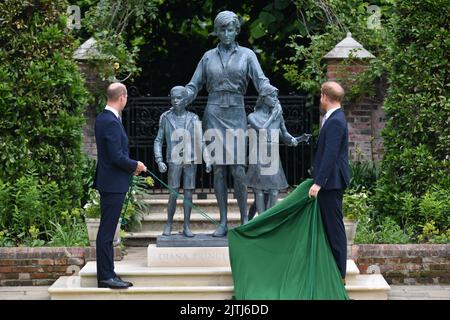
(256, 178)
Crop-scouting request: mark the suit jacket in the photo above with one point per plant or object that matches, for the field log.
(114, 165)
(331, 169)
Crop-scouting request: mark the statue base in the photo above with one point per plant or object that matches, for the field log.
(199, 240)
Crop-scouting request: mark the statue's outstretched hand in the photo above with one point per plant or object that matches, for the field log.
(208, 167)
(294, 142)
(162, 167)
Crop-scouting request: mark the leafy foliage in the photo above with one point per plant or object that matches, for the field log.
(32, 209)
(324, 24)
(72, 234)
(107, 21)
(387, 231)
(415, 179)
(133, 209)
(42, 100)
(363, 175)
(355, 204)
(137, 208)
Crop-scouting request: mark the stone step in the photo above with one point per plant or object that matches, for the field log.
(367, 287)
(142, 276)
(362, 287)
(69, 288)
(207, 205)
(195, 216)
(156, 221)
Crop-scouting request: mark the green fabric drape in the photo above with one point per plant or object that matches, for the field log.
(284, 253)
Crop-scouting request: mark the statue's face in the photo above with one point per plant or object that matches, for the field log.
(271, 100)
(227, 34)
(177, 99)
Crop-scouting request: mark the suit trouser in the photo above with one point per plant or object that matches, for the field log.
(330, 203)
(111, 207)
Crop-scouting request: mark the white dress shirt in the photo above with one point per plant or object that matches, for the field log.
(328, 114)
(113, 111)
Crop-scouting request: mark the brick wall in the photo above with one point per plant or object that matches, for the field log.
(25, 266)
(406, 264)
(365, 116)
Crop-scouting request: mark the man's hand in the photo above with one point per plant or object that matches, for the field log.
(314, 190)
(208, 167)
(140, 168)
(162, 167)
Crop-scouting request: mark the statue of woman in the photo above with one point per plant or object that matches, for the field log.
(226, 71)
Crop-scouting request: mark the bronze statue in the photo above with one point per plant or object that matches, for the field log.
(267, 119)
(225, 71)
(181, 156)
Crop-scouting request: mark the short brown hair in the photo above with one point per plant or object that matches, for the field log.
(115, 90)
(333, 91)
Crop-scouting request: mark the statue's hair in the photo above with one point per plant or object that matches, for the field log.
(224, 18)
(179, 88)
(265, 91)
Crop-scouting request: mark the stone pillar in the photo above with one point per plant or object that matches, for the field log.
(95, 85)
(364, 115)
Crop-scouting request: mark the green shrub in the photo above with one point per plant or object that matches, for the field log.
(432, 235)
(324, 24)
(6, 239)
(72, 234)
(388, 231)
(363, 175)
(355, 204)
(416, 137)
(42, 100)
(134, 207)
(137, 208)
(365, 230)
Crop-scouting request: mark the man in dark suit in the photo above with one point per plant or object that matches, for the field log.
(112, 178)
(331, 170)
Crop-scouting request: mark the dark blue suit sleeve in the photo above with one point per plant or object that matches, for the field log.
(333, 139)
(113, 141)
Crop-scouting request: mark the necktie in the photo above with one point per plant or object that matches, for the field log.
(323, 121)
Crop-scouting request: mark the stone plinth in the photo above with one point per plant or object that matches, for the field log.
(199, 240)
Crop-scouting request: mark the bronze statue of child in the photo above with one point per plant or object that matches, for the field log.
(181, 131)
(267, 115)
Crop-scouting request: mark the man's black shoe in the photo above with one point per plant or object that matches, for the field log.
(126, 282)
(112, 284)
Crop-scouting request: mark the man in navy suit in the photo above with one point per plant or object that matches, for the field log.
(112, 178)
(331, 171)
